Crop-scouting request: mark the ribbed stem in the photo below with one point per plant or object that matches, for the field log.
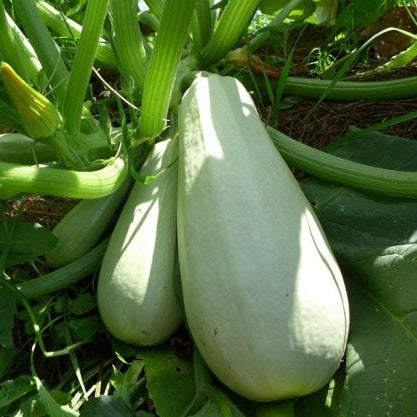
(54, 20)
(165, 59)
(128, 40)
(342, 171)
(352, 90)
(83, 64)
(156, 7)
(33, 66)
(232, 24)
(46, 49)
(60, 182)
(8, 47)
(20, 149)
(202, 25)
(66, 276)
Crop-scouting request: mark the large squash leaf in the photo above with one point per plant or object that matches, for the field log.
(170, 381)
(375, 241)
(301, 11)
(362, 12)
(24, 241)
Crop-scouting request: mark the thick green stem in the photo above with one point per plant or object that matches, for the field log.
(55, 20)
(352, 90)
(60, 182)
(165, 60)
(156, 7)
(66, 276)
(83, 64)
(340, 90)
(32, 64)
(202, 25)
(232, 24)
(342, 171)
(128, 40)
(9, 49)
(46, 49)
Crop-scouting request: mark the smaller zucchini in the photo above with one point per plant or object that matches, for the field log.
(135, 290)
(89, 219)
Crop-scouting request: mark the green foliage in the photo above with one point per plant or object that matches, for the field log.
(7, 314)
(373, 237)
(305, 9)
(13, 390)
(24, 241)
(375, 240)
(106, 406)
(170, 381)
(361, 12)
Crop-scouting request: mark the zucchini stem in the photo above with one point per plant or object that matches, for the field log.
(66, 276)
(16, 178)
(332, 168)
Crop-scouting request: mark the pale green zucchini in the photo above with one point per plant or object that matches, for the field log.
(264, 297)
(135, 290)
(83, 226)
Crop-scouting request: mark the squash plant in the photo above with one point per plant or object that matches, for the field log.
(260, 286)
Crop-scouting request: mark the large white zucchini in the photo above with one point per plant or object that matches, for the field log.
(135, 291)
(264, 297)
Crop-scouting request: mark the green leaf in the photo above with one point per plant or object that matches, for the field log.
(106, 406)
(13, 390)
(87, 327)
(277, 409)
(381, 369)
(325, 13)
(125, 383)
(210, 409)
(31, 407)
(375, 241)
(82, 304)
(7, 314)
(52, 407)
(26, 241)
(305, 9)
(361, 12)
(271, 6)
(7, 356)
(170, 381)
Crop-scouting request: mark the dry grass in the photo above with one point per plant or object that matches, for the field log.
(47, 211)
(330, 120)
